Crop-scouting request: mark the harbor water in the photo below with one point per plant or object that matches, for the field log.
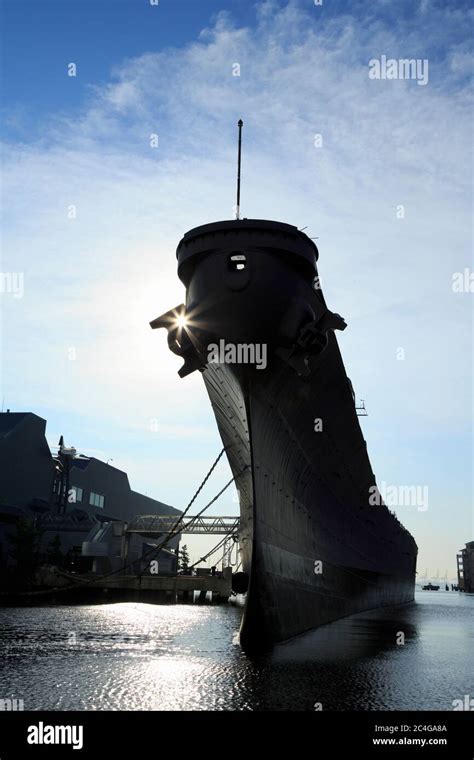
(186, 657)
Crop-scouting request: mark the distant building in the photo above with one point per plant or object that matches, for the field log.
(101, 489)
(465, 559)
(26, 464)
(74, 496)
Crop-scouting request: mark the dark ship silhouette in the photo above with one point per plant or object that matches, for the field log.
(313, 547)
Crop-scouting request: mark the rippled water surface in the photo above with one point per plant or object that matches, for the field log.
(186, 657)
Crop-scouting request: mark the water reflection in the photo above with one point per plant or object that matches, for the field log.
(185, 657)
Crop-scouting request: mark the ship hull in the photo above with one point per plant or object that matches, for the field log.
(315, 544)
(313, 547)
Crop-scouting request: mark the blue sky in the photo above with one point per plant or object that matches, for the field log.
(77, 348)
(97, 34)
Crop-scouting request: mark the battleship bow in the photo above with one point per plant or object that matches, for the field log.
(313, 548)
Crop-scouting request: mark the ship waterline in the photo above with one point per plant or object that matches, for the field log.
(313, 547)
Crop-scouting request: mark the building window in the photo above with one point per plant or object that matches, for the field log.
(96, 500)
(78, 493)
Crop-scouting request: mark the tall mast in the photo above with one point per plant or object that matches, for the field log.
(240, 124)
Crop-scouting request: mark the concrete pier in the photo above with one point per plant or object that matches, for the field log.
(176, 588)
(56, 586)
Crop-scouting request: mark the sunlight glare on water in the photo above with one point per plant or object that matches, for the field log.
(186, 657)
